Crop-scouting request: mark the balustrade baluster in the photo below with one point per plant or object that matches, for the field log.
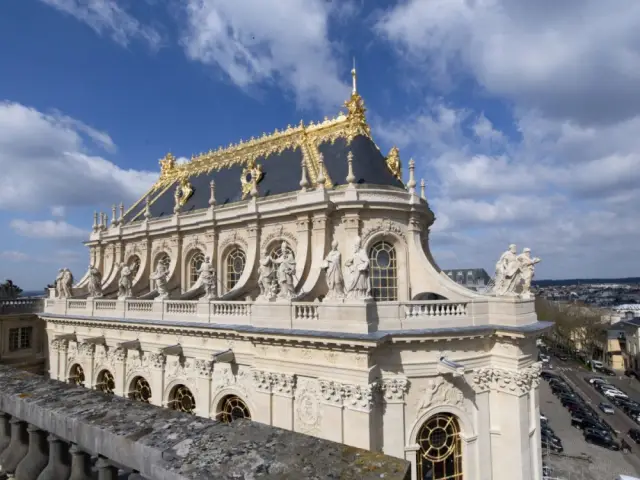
(80, 464)
(37, 457)
(5, 432)
(59, 466)
(106, 471)
(18, 447)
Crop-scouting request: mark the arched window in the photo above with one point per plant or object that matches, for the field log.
(76, 375)
(384, 272)
(197, 259)
(232, 408)
(236, 261)
(440, 454)
(134, 266)
(106, 383)
(181, 399)
(140, 390)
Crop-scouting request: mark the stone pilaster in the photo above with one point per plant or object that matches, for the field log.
(282, 391)
(394, 390)
(262, 383)
(157, 362)
(204, 372)
(86, 351)
(119, 359)
(358, 419)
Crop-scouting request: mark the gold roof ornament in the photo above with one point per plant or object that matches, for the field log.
(251, 175)
(167, 165)
(394, 164)
(184, 191)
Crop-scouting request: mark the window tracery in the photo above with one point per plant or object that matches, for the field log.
(106, 383)
(181, 399)
(232, 408)
(236, 261)
(384, 271)
(140, 390)
(76, 375)
(440, 454)
(196, 261)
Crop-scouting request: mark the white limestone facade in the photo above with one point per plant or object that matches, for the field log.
(422, 369)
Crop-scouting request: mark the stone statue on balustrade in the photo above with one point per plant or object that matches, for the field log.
(125, 283)
(207, 279)
(266, 280)
(64, 283)
(161, 279)
(332, 267)
(357, 281)
(527, 270)
(286, 273)
(95, 282)
(507, 273)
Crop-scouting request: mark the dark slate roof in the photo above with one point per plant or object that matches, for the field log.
(281, 174)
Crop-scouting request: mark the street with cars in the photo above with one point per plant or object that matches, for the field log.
(597, 432)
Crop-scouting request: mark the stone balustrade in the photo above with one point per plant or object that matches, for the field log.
(21, 305)
(361, 317)
(51, 430)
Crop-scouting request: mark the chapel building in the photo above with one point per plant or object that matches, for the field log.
(288, 279)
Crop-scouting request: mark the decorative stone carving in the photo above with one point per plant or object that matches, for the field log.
(358, 284)
(395, 388)
(204, 367)
(119, 355)
(64, 283)
(157, 360)
(514, 273)
(95, 282)
(383, 226)
(439, 392)
(332, 266)
(193, 244)
(332, 392)
(207, 279)
(223, 377)
(286, 273)
(179, 368)
(508, 381)
(59, 345)
(72, 352)
(86, 349)
(137, 363)
(283, 383)
(125, 283)
(279, 233)
(266, 279)
(234, 238)
(308, 410)
(161, 278)
(261, 380)
(161, 247)
(359, 396)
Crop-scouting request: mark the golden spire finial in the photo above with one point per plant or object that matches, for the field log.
(354, 90)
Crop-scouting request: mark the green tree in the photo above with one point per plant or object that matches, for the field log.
(9, 289)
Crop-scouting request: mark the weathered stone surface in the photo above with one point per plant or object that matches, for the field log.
(166, 445)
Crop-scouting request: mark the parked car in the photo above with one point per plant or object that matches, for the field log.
(563, 357)
(551, 447)
(585, 423)
(548, 375)
(596, 437)
(606, 408)
(614, 393)
(634, 433)
(595, 380)
(595, 364)
(607, 371)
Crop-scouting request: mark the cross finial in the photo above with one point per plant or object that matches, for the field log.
(354, 89)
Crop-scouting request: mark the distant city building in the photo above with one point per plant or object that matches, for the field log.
(472, 278)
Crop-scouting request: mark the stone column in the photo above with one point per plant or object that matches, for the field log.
(59, 466)
(18, 447)
(80, 464)
(63, 359)
(282, 389)
(393, 423)
(5, 432)
(157, 362)
(262, 399)
(54, 359)
(106, 471)
(37, 457)
(481, 386)
(204, 370)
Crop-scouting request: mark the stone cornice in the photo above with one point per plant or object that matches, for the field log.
(515, 382)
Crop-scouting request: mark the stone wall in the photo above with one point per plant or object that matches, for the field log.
(163, 444)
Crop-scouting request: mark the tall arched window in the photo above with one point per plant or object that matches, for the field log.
(440, 454)
(197, 259)
(76, 375)
(236, 261)
(384, 272)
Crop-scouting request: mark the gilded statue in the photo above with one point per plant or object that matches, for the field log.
(167, 164)
(393, 162)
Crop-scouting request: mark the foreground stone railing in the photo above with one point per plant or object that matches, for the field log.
(50, 430)
(21, 305)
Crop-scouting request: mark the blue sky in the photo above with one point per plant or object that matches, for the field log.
(523, 117)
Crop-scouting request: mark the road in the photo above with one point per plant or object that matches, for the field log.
(575, 374)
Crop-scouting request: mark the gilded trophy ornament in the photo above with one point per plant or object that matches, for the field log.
(184, 191)
(253, 171)
(167, 164)
(393, 162)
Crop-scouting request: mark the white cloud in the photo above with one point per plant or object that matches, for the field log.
(45, 161)
(106, 17)
(57, 211)
(576, 59)
(14, 256)
(258, 42)
(52, 229)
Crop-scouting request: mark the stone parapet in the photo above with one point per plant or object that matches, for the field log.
(145, 441)
(21, 305)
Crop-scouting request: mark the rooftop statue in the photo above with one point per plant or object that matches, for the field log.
(125, 283)
(161, 277)
(514, 273)
(64, 283)
(286, 273)
(95, 282)
(358, 283)
(527, 267)
(332, 266)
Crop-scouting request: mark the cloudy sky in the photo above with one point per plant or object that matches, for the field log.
(523, 116)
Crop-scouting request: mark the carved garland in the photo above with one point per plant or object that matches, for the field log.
(233, 239)
(194, 244)
(385, 227)
(134, 249)
(441, 392)
(280, 234)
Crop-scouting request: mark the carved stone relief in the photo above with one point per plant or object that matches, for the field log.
(440, 392)
(223, 377)
(394, 389)
(279, 233)
(308, 409)
(381, 226)
(232, 238)
(508, 381)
